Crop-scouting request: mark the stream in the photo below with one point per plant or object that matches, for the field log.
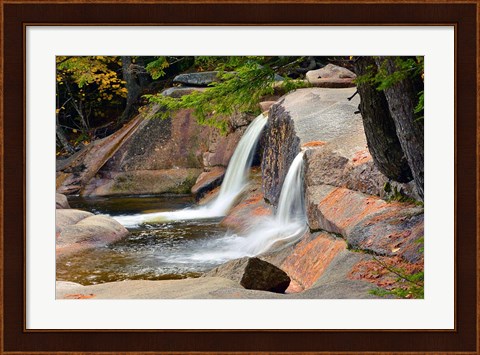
(152, 251)
(172, 237)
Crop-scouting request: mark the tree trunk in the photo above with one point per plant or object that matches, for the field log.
(402, 98)
(62, 138)
(133, 88)
(380, 131)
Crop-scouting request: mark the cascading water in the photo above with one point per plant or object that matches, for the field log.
(233, 183)
(291, 206)
(171, 249)
(289, 221)
(285, 227)
(237, 172)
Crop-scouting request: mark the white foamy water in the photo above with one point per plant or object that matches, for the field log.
(285, 227)
(235, 180)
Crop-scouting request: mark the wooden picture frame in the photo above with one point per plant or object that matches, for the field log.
(15, 15)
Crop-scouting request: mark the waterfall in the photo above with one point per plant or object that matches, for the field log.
(236, 176)
(235, 180)
(275, 232)
(289, 222)
(291, 205)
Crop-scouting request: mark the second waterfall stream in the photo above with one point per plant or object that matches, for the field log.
(268, 233)
(284, 227)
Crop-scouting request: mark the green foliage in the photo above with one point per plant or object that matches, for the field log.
(243, 81)
(407, 285)
(404, 68)
(156, 68)
(419, 108)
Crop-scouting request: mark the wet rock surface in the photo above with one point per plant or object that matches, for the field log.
(249, 208)
(311, 256)
(207, 181)
(221, 148)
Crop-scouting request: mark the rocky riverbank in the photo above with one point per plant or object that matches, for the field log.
(361, 225)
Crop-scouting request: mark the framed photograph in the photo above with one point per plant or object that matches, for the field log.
(239, 177)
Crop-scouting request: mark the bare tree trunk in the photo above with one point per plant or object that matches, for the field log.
(380, 131)
(402, 98)
(62, 138)
(133, 88)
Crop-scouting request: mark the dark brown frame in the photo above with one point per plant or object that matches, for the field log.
(14, 339)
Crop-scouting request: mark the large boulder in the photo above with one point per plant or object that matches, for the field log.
(348, 163)
(77, 231)
(331, 76)
(197, 79)
(301, 117)
(175, 142)
(61, 201)
(162, 156)
(253, 274)
(67, 217)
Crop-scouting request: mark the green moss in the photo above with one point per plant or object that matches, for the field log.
(395, 195)
(186, 186)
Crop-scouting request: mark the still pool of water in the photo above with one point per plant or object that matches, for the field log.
(151, 251)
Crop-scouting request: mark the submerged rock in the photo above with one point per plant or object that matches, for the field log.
(253, 274)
